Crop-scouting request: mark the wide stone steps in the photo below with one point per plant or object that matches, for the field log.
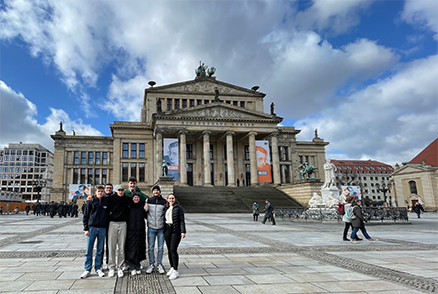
(230, 199)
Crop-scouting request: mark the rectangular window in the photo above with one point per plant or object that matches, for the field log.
(141, 172)
(76, 157)
(141, 150)
(228, 102)
(133, 150)
(184, 103)
(82, 176)
(242, 103)
(23, 176)
(176, 104)
(83, 157)
(225, 152)
(90, 176)
(104, 157)
(125, 150)
(246, 150)
(169, 104)
(198, 101)
(104, 176)
(12, 152)
(75, 176)
(192, 102)
(90, 158)
(134, 169)
(29, 177)
(283, 153)
(25, 152)
(206, 101)
(235, 103)
(124, 171)
(18, 169)
(189, 151)
(211, 151)
(96, 176)
(97, 157)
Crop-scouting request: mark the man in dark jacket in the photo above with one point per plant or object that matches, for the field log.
(418, 209)
(119, 205)
(27, 209)
(95, 223)
(358, 222)
(53, 206)
(269, 213)
(156, 208)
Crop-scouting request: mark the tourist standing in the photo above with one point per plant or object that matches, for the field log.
(134, 188)
(255, 211)
(174, 231)
(418, 209)
(27, 209)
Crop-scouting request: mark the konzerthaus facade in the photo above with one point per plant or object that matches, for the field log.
(221, 130)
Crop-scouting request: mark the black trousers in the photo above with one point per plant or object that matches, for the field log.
(346, 228)
(172, 243)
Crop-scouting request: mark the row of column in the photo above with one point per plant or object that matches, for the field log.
(230, 157)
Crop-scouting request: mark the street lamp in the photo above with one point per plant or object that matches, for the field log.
(383, 188)
(38, 186)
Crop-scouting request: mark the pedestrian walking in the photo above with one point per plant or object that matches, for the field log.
(358, 222)
(269, 213)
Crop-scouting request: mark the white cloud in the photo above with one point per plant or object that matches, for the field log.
(423, 13)
(386, 120)
(18, 121)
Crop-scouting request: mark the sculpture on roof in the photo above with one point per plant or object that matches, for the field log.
(201, 71)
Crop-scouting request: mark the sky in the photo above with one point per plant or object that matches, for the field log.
(362, 72)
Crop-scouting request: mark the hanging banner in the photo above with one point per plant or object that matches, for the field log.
(352, 191)
(263, 162)
(79, 191)
(170, 155)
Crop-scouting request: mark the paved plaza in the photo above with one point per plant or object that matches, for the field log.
(230, 253)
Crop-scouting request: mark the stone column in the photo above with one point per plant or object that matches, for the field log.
(207, 171)
(183, 158)
(275, 160)
(230, 159)
(158, 154)
(253, 158)
(283, 174)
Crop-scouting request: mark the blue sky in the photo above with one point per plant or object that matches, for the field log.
(362, 72)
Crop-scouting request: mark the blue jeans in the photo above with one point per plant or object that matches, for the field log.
(363, 230)
(94, 233)
(152, 235)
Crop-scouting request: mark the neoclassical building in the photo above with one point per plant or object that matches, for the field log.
(209, 133)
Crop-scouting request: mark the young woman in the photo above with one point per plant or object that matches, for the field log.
(135, 248)
(174, 231)
(359, 222)
(347, 221)
(255, 211)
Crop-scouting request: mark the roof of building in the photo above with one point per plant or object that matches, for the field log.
(363, 166)
(429, 154)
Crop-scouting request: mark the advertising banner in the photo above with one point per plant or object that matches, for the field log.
(170, 155)
(79, 191)
(263, 162)
(352, 191)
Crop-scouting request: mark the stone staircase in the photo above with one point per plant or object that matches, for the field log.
(230, 199)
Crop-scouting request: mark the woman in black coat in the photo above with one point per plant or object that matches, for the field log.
(358, 222)
(174, 231)
(135, 248)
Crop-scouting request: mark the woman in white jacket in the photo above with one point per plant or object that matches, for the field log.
(347, 221)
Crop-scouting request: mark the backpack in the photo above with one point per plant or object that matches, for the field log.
(349, 213)
(341, 208)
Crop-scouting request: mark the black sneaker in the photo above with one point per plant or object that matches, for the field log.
(346, 239)
(358, 239)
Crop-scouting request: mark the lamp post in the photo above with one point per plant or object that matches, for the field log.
(383, 188)
(38, 186)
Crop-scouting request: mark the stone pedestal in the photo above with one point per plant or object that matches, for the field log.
(166, 184)
(326, 192)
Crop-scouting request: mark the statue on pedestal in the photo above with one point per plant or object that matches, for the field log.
(329, 169)
(164, 168)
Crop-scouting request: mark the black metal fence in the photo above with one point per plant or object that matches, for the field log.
(325, 214)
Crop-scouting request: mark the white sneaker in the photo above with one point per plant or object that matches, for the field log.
(150, 269)
(111, 273)
(120, 273)
(372, 240)
(85, 275)
(174, 275)
(141, 267)
(100, 273)
(170, 272)
(138, 272)
(161, 269)
(133, 272)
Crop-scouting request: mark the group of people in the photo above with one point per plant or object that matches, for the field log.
(63, 209)
(269, 212)
(119, 218)
(353, 217)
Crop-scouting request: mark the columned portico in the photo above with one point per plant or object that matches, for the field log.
(275, 160)
(230, 158)
(253, 158)
(183, 158)
(206, 148)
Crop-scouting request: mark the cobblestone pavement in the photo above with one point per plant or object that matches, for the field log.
(229, 253)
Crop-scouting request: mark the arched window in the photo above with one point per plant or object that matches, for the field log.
(413, 187)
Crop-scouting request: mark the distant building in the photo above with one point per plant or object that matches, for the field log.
(417, 180)
(21, 165)
(365, 174)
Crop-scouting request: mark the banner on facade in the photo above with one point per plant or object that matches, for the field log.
(170, 155)
(79, 191)
(263, 162)
(352, 191)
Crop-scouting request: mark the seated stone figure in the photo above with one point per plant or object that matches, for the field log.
(315, 200)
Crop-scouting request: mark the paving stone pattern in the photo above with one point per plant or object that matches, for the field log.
(229, 253)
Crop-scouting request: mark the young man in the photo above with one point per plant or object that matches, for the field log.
(108, 191)
(269, 213)
(118, 207)
(133, 188)
(156, 208)
(95, 222)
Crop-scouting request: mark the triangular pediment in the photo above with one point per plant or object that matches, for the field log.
(218, 111)
(206, 85)
(409, 169)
